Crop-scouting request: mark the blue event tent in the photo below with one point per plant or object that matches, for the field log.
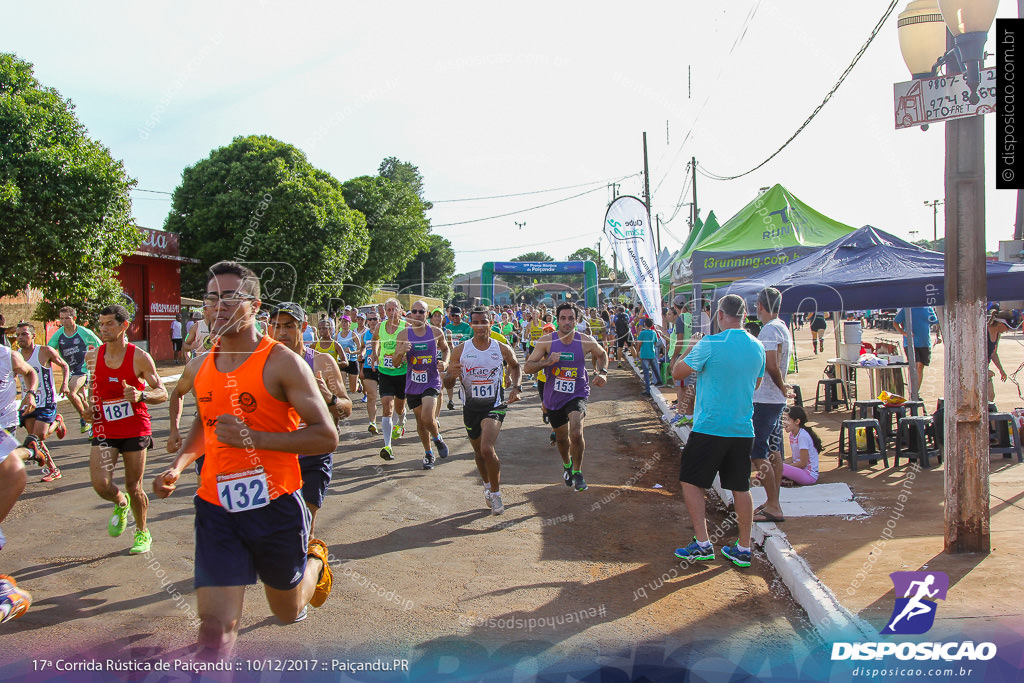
(869, 269)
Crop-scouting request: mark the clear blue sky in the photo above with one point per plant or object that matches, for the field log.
(490, 99)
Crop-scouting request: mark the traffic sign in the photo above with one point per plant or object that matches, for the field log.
(942, 98)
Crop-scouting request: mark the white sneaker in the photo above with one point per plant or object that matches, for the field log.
(497, 507)
(487, 494)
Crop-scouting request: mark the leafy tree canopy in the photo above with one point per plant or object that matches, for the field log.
(406, 173)
(64, 202)
(260, 201)
(398, 229)
(438, 269)
(588, 254)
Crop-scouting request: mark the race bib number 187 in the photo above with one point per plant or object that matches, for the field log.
(117, 410)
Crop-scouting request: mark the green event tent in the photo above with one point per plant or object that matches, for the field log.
(678, 269)
(775, 228)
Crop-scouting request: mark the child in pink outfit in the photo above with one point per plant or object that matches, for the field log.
(805, 446)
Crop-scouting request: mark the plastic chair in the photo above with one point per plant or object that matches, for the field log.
(912, 431)
(831, 400)
(1005, 427)
(848, 442)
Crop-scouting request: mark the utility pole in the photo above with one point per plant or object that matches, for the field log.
(423, 270)
(966, 469)
(657, 238)
(693, 207)
(935, 203)
(647, 184)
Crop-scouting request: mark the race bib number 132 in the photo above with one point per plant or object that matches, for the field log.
(241, 491)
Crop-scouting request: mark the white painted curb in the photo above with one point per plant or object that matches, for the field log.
(825, 612)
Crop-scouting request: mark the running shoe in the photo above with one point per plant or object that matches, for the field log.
(451, 404)
(84, 425)
(554, 439)
(61, 429)
(487, 494)
(497, 507)
(302, 615)
(567, 475)
(578, 483)
(318, 550)
(50, 471)
(428, 461)
(545, 419)
(442, 448)
(118, 521)
(373, 428)
(398, 431)
(694, 551)
(362, 400)
(14, 601)
(33, 446)
(737, 556)
(386, 453)
(143, 542)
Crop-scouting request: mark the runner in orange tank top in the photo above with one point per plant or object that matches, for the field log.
(251, 522)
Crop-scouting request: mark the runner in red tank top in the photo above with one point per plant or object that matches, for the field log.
(251, 522)
(120, 421)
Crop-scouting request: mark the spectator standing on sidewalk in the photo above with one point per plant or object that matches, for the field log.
(729, 367)
(769, 401)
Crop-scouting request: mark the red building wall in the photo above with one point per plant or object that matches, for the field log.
(152, 278)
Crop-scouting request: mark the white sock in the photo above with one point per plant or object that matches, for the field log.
(704, 544)
(385, 423)
(741, 548)
(401, 419)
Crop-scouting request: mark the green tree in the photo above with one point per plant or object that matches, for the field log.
(438, 269)
(588, 254)
(534, 256)
(64, 202)
(398, 229)
(406, 173)
(259, 200)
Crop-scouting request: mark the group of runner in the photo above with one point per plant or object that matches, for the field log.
(266, 424)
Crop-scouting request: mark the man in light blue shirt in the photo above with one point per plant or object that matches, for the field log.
(729, 367)
(921, 335)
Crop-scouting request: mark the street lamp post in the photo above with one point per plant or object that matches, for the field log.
(966, 419)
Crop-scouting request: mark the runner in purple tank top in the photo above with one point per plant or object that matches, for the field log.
(286, 325)
(562, 356)
(418, 345)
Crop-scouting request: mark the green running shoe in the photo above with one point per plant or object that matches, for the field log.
(118, 521)
(143, 542)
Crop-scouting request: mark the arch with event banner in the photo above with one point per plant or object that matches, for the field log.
(492, 268)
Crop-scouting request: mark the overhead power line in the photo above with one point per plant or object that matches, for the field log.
(856, 58)
(516, 246)
(513, 213)
(523, 194)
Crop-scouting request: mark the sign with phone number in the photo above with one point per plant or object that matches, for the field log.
(943, 98)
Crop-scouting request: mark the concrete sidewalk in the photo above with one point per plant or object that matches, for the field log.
(853, 555)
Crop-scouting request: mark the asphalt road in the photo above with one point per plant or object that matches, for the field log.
(423, 571)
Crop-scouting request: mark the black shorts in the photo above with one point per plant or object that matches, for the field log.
(352, 368)
(391, 385)
(414, 401)
(176, 344)
(233, 549)
(705, 455)
(560, 417)
(473, 418)
(622, 340)
(370, 375)
(819, 326)
(129, 445)
(316, 475)
(922, 354)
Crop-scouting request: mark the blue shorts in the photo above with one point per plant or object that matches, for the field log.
(45, 414)
(234, 548)
(767, 429)
(316, 475)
